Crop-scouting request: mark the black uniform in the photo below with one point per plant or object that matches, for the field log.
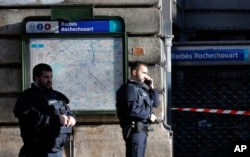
(38, 113)
(134, 107)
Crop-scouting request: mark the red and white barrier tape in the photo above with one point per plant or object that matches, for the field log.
(218, 111)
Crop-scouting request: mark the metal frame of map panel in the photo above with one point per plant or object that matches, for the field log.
(27, 58)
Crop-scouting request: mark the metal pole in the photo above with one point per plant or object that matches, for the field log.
(168, 85)
(167, 25)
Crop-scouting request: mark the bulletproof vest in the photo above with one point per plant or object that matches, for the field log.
(131, 93)
(59, 108)
(143, 97)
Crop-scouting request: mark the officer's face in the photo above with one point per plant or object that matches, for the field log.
(45, 80)
(141, 73)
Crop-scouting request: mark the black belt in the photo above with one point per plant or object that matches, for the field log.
(133, 127)
(140, 127)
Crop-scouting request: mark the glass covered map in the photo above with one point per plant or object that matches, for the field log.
(87, 70)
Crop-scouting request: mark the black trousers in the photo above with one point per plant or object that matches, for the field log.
(136, 144)
(36, 153)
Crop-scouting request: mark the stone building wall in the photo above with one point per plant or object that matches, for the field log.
(94, 135)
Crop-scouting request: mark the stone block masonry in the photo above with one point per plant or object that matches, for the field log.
(94, 135)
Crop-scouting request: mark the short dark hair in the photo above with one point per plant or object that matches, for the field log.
(39, 68)
(135, 65)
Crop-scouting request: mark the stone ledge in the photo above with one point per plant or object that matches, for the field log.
(107, 139)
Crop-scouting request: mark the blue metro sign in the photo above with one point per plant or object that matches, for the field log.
(81, 26)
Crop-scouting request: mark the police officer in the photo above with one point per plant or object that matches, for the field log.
(44, 117)
(135, 101)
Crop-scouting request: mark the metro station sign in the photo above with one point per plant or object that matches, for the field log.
(82, 26)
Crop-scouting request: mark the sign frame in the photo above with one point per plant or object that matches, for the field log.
(27, 36)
